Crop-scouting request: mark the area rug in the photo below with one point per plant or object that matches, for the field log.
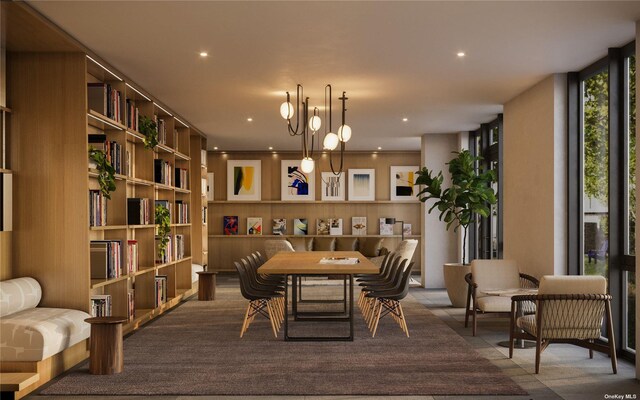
(196, 350)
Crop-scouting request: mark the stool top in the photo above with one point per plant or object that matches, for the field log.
(106, 320)
(207, 272)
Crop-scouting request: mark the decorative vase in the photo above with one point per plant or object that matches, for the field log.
(457, 287)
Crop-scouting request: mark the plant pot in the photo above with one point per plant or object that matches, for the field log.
(457, 287)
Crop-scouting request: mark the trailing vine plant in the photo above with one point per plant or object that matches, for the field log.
(106, 172)
(149, 129)
(163, 220)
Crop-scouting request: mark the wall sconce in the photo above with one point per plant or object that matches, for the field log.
(393, 221)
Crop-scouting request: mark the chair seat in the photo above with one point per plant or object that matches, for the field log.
(494, 304)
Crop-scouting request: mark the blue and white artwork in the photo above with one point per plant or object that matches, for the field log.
(362, 184)
(296, 185)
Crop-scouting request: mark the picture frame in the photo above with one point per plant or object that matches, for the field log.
(333, 186)
(400, 183)
(244, 180)
(362, 184)
(295, 184)
(209, 186)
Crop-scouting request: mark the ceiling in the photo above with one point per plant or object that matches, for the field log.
(395, 60)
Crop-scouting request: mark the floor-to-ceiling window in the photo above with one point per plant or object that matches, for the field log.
(601, 182)
(486, 232)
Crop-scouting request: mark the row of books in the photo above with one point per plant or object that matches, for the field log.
(162, 172)
(138, 211)
(97, 208)
(324, 226)
(101, 305)
(179, 250)
(162, 130)
(182, 178)
(132, 115)
(105, 99)
(111, 149)
(106, 259)
(133, 259)
(168, 252)
(182, 212)
(161, 289)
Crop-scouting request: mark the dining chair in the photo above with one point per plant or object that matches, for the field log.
(271, 247)
(569, 309)
(263, 302)
(392, 282)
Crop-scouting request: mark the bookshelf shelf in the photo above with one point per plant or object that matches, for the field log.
(161, 148)
(185, 191)
(147, 226)
(93, 173)
(417, 203)
(135, 137)
(108, 227)
(103, 122)
(182, 156)
(181, 225)
(163, 187)
(138, 181)
(97, 283)
(6, 171)
(143, 271)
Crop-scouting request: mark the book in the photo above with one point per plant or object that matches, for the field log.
(230, 226)
(182, 212)
(279, 226)
(181, 178)
(138, 211)
(132, 256)
(254, 226)
(359, 226)
(385, 229)
(105, 259)
(161, 289)
(335, 226)
(322, 226)
(169, 252)
(300, 226)
(162, 172)
(131, 302)
(179, 247)
(97, 208)
(406, 229)
(104, 99)
(101, 305)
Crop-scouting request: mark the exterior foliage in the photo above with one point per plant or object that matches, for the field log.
(470, 193)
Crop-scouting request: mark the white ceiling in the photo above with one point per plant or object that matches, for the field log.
(394, 59)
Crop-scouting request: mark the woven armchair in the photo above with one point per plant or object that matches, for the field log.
(489, 275)
(569, 309)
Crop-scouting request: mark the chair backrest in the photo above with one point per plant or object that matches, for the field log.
(392, 263)
(406, 248)
(244, 281)
(572, 319)
(256, 258)
(260, 257)
(271, 247)
(494, 275)
(404, 284)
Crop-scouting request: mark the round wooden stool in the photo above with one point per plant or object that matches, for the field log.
(206, 285)
(106, 356)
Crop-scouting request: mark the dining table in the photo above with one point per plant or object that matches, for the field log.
(295, 265)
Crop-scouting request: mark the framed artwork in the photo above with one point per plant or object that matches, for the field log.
(322, 226)
(358, 226)
(332, 186)
(209, 186)
(362, 184)
(254, 226)
(406, 229)
(279, 226)
(243, 180)
(300, 226)
(402, 183)
(335, 226)
(230, 226)
(296, 185)
(385, 229)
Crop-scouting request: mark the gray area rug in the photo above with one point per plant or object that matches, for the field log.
(196, 350)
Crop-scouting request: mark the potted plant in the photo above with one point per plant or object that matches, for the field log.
(163, 220)
(149, 129)
(106, 172)
(470, 194)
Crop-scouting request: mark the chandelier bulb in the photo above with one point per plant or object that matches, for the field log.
(286, 110)
(344, 133)
(314, 123)
(307, 164)
(330, 141)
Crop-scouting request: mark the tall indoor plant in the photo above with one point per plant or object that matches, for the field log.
(470, 194)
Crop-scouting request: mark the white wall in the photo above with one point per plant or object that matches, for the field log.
(439, 246)
(535, 170)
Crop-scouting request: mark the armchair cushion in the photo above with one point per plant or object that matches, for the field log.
(550, 284)
(494, 275)
(301, 243)
(346, 244)
(19, 294)
(370, 247)
(494, 304)
(325, 244)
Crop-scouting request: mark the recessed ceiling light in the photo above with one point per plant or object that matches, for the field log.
(215, 147)
(379, 148)
(270, 147)
(405, 119)
(203, 54)
(249, 119)
(460, 54)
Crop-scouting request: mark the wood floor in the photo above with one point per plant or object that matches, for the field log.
(566, 371)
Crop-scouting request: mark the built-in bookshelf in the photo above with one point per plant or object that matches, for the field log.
(225, 249)
(95, 105)
(199, 206)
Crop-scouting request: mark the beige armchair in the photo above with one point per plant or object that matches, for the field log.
(493, 275)
(271, 247)
(569, 309)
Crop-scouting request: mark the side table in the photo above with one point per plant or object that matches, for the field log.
(206, 285)
(106, 355)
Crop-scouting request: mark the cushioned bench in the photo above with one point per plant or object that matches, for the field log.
(31, 336)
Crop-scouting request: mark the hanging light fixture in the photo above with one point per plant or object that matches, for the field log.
(311, 124)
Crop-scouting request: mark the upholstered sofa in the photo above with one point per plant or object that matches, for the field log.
(44, 341)
(368, 246)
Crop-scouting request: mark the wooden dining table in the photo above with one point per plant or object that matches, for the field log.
(317, 263)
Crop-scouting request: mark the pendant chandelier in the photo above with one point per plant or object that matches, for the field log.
(311, 124)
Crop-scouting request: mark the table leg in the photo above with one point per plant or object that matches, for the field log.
(350, 306)
(294, 296)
